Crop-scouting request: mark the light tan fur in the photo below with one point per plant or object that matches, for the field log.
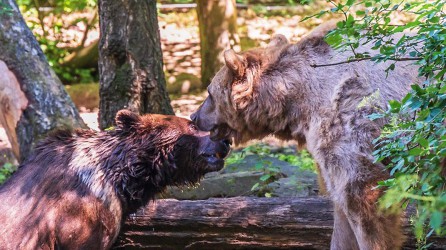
(276, 90)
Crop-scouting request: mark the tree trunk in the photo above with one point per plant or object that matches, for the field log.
(237, 223)
(130, 60)
(33, 101)
(218, 32)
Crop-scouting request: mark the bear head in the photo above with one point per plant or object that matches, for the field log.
(231, 108)
(155, 151)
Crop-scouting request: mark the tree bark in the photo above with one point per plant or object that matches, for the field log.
(130, 60)
(237, 223)
(33, 101)
(218, 31)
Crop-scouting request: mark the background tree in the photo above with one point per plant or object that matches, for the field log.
(71, 57)
(414, 141)
(130, 60)
(218, 32)
(33, 100)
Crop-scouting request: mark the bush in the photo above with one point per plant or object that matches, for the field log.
(415, 139)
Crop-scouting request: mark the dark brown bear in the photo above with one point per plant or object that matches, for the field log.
(77, 187)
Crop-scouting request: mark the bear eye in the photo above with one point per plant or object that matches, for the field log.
(193, 126)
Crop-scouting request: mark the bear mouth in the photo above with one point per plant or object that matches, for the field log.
(215, 162)
(219, 132)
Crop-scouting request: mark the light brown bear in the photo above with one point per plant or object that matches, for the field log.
(277, 90)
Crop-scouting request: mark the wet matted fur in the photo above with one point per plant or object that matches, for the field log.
(276, 90)
(77, 187)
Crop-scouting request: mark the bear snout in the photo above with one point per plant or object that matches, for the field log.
(215, 152)
(202, 124)
(206, 116)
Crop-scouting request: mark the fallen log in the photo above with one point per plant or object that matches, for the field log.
(86, 57)
(237, 223)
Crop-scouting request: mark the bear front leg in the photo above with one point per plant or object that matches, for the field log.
(344, 152)
(343, 237)
(374, 229)
(352, 179)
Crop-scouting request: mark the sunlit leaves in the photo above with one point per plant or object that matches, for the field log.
(414, 140)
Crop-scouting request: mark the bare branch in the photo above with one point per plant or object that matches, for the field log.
(365, 58)
(88, 25)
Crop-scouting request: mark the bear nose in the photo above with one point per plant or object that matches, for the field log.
(217, 149)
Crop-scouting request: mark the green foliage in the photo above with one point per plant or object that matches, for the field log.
(270, 172)
(303, 160)
(415, 139)
(6, 171)
(47, 20)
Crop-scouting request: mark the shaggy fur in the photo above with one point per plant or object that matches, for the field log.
(275, 90)
(77, 187)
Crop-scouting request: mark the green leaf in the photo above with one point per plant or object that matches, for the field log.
(360, 13)
(415, 151)
(255, 186)
(413, 54)
(394, 106)
(334, 39)
(433, 113)
(265, 177)
(258, 166)
(415, 103)
(436, 220)
(350, 20)
(418, 89)
(423, 142)
(434, 19)
(398, 166)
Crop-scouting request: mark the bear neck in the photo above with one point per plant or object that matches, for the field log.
(291, 96)
(280, 106)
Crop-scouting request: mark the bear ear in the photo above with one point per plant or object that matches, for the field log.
(127, 120)
(274, 49)
(278, 41)
(236, 63)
